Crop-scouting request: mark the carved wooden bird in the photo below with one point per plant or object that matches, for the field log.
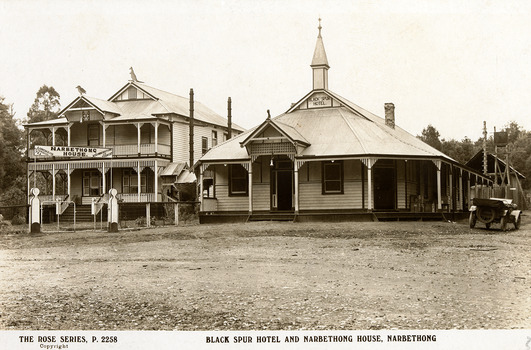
(133, 75)
(81, 90)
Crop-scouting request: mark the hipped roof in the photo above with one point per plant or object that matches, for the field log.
(343, 131)
(159, 102)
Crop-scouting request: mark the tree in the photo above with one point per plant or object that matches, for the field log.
(11, 157)
(46, 105)
(431, 136)
(513, 131)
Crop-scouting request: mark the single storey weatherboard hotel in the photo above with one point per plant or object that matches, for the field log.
(327, 158)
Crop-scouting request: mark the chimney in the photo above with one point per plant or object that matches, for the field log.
(229, 119)
(390, 115)
(191, 120)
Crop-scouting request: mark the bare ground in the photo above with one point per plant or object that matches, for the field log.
(404, 275)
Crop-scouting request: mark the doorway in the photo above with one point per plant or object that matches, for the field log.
(384, 188)
(282, 185)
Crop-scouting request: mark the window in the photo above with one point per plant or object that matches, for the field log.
(208, 184)
(204, 144)
(93, 135)
(225, 136)
(130, 181)
(332, 177)
(145, 134)
(92, 183)
(238, 180)
(214, 138)
(131, 93)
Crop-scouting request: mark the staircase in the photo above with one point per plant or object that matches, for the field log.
(272, 217)
(83, 214)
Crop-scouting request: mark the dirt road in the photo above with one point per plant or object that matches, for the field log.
(405, 275)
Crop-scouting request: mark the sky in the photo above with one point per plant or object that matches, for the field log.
(452, 64)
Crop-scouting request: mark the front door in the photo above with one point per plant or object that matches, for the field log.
(282, 185)
(384, 188)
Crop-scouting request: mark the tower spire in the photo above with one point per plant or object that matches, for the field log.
(320, 63)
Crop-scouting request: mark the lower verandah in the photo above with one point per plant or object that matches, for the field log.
(397, 185)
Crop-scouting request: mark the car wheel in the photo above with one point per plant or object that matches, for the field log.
(472, 219)
(518, 222)
(503, 222)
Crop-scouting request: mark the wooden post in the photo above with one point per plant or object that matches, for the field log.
(139, 188)
(157, 138)
(439, 192)
(369, 184)
(451, 185)
(296, 185)
(148, 214)
(53, 181)
(250, 187)
(460, 189)
(176, 214)
(201, 170)
(156, 180)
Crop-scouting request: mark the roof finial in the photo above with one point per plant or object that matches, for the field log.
(319, 27)
(268, 114)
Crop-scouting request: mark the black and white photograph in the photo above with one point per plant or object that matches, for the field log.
(265, 174)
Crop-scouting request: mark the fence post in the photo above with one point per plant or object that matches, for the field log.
(113, 211)
(35, 212)
(176, 214)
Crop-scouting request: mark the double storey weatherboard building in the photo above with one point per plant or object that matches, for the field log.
(154, 136)
(326, 157)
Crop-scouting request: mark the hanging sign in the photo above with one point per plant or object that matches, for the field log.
(73, 152)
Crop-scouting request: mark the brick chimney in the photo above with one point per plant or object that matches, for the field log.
(390, 115)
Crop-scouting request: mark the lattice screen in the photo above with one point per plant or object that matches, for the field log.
(272, 148)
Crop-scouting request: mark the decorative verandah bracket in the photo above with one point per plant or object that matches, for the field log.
(299, 164)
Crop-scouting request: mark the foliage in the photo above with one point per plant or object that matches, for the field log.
(431, 136)
(45, 107)
(11, 155)
(519, 147)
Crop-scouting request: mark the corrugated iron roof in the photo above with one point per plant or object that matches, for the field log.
(172, 103)
(163, 103)
(61, 120)
(104, 105)
(338, 132)
(173, 169)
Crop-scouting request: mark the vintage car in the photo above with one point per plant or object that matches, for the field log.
(494, 210)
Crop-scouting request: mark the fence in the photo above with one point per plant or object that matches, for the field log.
(158, 214)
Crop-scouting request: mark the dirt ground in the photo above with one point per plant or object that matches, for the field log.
(269, 276)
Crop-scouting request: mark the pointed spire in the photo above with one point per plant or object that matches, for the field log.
(319, 55)
(320, 63)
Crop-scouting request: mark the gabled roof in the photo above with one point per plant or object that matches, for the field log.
(288, 131)
(476, 163)
(101, 106)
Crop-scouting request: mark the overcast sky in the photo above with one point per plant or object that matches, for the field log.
(452, 64)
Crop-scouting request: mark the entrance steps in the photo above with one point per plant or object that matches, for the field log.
(83, 214)
(272, 217)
